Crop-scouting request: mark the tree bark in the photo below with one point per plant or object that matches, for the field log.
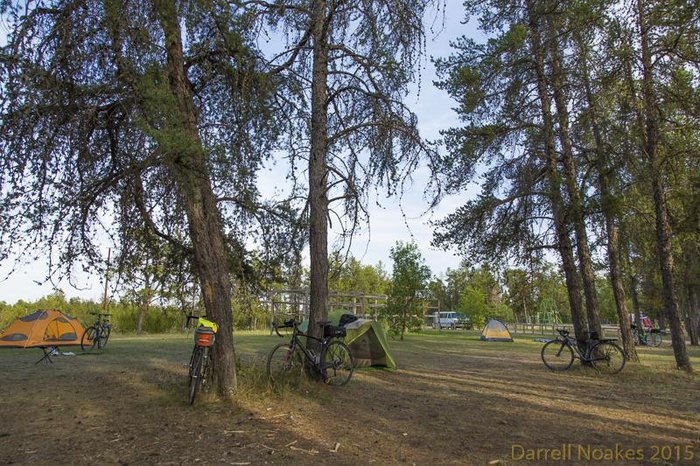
(145, 302)
(611, 229)
(318, 173)
(143, 310)
(573, 279)
(634, 283)
(691, 285)
(187, 163)
(405, 316)
(663, 227)
(570, 181)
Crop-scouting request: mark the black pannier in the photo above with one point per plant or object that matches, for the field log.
(347, 318)
(333, 331)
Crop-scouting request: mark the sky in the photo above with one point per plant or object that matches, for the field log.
(387, 223)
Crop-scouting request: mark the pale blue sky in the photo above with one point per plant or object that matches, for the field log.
(387, 224)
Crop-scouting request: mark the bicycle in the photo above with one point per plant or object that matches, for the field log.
(204, 337)
(288, 362)
(97, 334)
(604, 355)
(641, 337)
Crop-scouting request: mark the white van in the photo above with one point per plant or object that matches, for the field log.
(451, 320)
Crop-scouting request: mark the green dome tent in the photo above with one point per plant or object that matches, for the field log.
(368, 344)
(366, 339)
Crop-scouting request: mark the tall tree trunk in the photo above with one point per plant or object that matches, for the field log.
(691, 284)
(570, 181)
(318, 172)
(405, 316)
(634, 283)
(602, 166)
(188, 164)
(630, 80)
(143, 309)
(145, 301)
(663, 228)
(573, 279)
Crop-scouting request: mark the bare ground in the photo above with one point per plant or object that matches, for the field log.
(454, 400)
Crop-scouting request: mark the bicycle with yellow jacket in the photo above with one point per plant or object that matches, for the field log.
(200, 361)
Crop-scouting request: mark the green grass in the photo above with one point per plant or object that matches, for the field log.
(130, 398)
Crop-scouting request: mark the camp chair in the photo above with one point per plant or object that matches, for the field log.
(48, 351)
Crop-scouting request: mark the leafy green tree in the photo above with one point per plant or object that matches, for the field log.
(472, 303)
(663, 54)
(520, 294)
(120, 118)
(347, 67)
(409, 280)
(480, 297)
(350, 275)
(504, 95)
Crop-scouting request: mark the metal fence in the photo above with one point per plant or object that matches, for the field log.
(609, 331)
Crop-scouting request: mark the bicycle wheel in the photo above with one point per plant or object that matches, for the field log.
(195, 372)
(654, 339)
(557, 355)
(635, 338)
(285, 366)
(104, 336)
(607, 357)
(337, 365)
(89, 340)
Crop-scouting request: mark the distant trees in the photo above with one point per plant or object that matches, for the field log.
(473, 291)
(409, 279)
(350, 275)
(532, 293)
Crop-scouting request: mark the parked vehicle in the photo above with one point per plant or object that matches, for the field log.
(451, 320)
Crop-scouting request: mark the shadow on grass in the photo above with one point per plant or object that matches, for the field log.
(454, 399)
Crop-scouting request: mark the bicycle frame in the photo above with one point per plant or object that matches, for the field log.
(332, 360)
(101, 328)
(573, 344)
(297, 343)
(601, 353)
(200, 354)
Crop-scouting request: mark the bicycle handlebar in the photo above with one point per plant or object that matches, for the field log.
(189, 317)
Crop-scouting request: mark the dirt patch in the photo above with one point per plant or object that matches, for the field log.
(454, 400)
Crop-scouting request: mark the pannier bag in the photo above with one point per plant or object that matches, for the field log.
(347, 318)
(204, 336)
(333, 331)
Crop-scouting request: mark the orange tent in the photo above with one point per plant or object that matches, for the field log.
(42, 329)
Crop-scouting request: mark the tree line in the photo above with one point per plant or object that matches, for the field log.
(414, 293)
(148, 123)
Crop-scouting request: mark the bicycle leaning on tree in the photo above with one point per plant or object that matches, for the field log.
(97, 334)
(200, 361)
(332, 361)
(604, 355)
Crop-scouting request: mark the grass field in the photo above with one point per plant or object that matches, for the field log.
(454, 400)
